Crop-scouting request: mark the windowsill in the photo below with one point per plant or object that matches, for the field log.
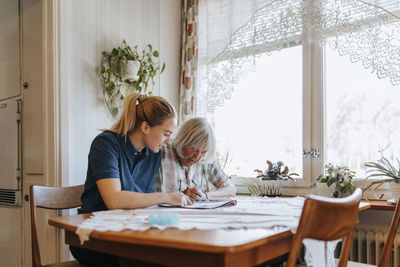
(375, 204)
(290, 189)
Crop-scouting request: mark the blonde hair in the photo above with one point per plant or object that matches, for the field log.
(139, 108)
(198, 134)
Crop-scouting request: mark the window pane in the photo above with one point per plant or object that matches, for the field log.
(263, 119)
(362, 114)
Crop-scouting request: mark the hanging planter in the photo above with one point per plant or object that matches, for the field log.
(124, 70)
(132, 69)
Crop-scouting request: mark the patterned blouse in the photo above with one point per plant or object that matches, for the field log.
(171, 176)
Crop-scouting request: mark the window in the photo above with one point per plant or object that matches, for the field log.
(362, 114)
(263, 119)
(306, 96)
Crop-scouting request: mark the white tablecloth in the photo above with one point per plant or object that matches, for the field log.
(279, 214)
(250, 212)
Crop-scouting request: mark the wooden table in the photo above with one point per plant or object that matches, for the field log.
(380, 205)
(173, 247)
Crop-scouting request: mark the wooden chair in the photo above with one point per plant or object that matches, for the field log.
(388, 247)
(56, 199)
(327, 219)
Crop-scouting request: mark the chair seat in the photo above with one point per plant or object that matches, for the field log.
(355, 264)
(65, 264)
(349, 264)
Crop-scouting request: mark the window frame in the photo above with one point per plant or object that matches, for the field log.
(314, 118)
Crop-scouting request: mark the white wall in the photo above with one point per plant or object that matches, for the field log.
(89, 27)
(170, 49)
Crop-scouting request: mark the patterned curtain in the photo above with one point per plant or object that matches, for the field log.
(189, 58)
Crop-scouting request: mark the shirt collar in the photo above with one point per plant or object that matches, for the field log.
(132, 150)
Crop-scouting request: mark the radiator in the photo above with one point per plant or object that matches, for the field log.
(368, 244)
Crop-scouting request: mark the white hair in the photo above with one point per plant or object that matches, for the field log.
(195, 133)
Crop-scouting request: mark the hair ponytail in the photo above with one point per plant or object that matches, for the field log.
(139, 108)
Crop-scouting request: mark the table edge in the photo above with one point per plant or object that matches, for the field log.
(180, 244)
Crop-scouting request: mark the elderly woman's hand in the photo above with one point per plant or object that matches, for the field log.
(179, 199)
(195, 194)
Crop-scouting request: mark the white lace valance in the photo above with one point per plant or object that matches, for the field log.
(366, 31)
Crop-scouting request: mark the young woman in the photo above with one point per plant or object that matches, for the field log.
(189, 166)
(123, 164)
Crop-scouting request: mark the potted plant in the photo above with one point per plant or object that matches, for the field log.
(124, 70)
(384, 168)
(223, 160)
(339, 177)
(270, 182)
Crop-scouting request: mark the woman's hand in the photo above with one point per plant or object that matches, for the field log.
(179, 199)
(195, 194)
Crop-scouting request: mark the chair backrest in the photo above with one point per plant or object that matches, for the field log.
(388, 247)
(327, 219)
(50, 198)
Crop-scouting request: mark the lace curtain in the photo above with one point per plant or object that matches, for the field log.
(233, 33)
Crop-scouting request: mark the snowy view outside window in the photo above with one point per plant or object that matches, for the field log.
(362, 114)
(263, 119)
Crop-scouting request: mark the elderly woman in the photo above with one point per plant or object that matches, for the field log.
(188, 164)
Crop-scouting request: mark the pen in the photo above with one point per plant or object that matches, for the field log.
(202, 198)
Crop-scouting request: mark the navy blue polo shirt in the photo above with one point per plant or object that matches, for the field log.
(111, 156)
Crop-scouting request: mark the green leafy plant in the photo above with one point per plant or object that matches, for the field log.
(223, 160)
(112, 74)
(275, 171)
(252, 186)
(339, 176)
(382, 168)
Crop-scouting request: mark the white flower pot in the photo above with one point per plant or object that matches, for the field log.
(131, 70)
(322, 189)
(395, 190)
(271, 188)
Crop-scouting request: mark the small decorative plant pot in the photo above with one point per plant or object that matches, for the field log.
(339, 194)
(322, 189)
(131, 71)
(270, 188)
(395, 190)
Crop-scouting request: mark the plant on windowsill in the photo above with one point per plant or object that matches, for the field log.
(270, 182)
(223, 160)
(275, 172)
(384, 168)
(340, 177)
(124, 70)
